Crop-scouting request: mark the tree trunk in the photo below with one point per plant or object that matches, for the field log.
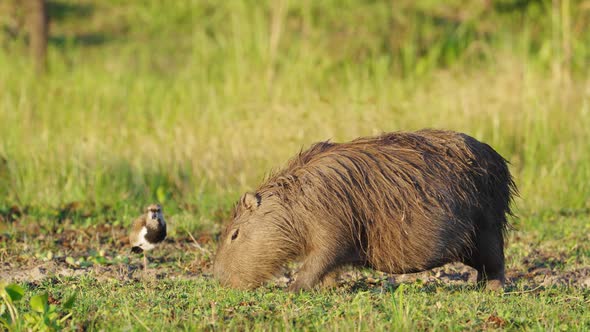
(38, 33)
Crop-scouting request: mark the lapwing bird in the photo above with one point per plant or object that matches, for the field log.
(148, 230)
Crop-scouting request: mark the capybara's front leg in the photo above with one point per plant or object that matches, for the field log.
(315, 267)
(330, 280)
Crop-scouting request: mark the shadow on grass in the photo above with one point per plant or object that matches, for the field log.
(429, 287)
(62, 11)
(85, 39)
(116, 187)
(59, 10)
(11, 214)
(515, 5)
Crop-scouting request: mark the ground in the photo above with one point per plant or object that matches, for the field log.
(548, 283)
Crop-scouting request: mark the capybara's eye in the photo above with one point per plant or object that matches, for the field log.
(235, 234)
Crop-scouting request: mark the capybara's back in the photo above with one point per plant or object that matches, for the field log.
(400, 203)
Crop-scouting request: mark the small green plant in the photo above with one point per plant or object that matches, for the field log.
(8, 314)
(42, 317)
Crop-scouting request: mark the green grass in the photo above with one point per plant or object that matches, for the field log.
(192, 103)
(199, 101)
(199, 304)
(547, 266)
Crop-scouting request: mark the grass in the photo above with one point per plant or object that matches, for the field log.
(547, 266)
(192, 104)
(150, 305)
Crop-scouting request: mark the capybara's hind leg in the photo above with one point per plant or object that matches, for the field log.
(488, 259)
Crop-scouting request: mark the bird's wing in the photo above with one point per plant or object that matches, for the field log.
(138, 224)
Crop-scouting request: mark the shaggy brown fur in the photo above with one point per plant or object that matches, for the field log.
(400, 203)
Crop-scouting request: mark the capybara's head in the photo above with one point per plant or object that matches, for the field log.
(256, 243)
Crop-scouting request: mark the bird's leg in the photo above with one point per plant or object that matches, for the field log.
(145, 262)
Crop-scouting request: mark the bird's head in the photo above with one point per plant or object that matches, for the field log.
(154, 212)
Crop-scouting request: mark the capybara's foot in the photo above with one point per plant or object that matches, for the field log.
(494, 285)
(308, 281)
(492, 281)
(330, 280)
(297, 287)
(304, 280)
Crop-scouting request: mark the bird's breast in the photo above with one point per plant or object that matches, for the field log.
(155, 235)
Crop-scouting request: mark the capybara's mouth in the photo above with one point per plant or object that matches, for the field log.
(234, 282)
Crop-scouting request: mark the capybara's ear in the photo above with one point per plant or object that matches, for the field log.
(251, 201)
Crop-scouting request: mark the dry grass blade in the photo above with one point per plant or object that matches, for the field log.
(196, 243)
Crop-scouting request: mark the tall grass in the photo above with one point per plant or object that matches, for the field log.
(193, 102)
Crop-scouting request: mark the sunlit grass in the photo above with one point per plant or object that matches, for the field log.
(200, 110)
(83, 136)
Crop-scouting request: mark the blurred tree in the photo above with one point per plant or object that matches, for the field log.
(38, 23)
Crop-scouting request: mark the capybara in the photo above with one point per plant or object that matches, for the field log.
(400, 202)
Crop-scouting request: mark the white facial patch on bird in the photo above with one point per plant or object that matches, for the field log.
(154, 212)
(142, 242)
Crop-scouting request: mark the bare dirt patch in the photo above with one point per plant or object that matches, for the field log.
(32, 254)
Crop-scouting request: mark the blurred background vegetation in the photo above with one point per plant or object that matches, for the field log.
(192, 102)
